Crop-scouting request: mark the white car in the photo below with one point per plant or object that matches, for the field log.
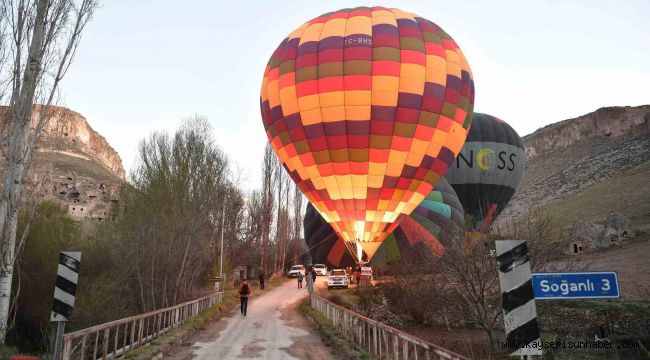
(337, 278)
(320, 269)
(296, 269)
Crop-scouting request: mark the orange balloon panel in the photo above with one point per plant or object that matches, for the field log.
(365, 109)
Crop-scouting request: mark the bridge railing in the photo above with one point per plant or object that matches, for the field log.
(116, 338)
(378, 339)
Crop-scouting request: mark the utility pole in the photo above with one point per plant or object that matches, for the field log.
(223, 216)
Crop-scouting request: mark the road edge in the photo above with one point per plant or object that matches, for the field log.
(341, 347)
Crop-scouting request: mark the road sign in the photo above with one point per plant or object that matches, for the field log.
(66, 285)
(517, 300)
(65, 292)
(577, 285)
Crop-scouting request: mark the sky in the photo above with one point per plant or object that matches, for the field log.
(144, 66)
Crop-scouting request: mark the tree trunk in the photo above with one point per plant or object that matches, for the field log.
(180, 271)
(17, 157)
(445, 318)
(494, 341)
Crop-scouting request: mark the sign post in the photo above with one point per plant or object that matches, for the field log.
(576, 285)
(518, 302)
(65, 291)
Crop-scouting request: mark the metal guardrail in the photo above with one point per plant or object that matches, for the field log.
(379, 339)
(116, 338)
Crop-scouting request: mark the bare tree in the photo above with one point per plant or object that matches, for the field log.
(296, 248)
(469, 272)
(39, 41)
(462, 286)
(269, 167)
(171, 212)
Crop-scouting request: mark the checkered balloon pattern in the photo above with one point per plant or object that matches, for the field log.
(366, 108)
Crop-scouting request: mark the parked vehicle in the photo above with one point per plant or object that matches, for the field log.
(366, 274)
(320, 269)
(295, 270)
(337, 278)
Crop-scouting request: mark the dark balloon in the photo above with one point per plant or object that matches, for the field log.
(422, 234)
(488, 170)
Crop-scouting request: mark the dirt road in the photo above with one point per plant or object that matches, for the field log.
(273, 329)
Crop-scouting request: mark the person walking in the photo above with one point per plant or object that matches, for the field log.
(299, 280)
(357, 275)
(313, 275)
(260, 276)
(245, 290)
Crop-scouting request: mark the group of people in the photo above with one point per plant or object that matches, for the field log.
(354, 276)
(245, 288)
(311, 279)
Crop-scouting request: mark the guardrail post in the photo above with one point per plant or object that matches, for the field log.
(105, 344)
(96, 345)
(126, 333)
(374, 339)
(396, 347)
(67, 347)
(132, 335)
(117, 333)
(160, 319)
(83, 347)
(140, 331)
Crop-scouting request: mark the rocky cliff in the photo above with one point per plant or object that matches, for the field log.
(73, 165)
(69, 133)
(568, 158)
(605, 122)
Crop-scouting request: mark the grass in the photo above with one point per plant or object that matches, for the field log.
(637, 309)
(627, 193)
(332, 337)
(7, 351)
(348, 298)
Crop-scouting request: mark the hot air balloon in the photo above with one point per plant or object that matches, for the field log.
(488, 170)
(366, 108)
(325, 246)
(423, 233)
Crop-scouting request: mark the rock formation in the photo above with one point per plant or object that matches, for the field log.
(73, 165)
(68, 132)
(566, 157)
(605, 122)
(590, 236)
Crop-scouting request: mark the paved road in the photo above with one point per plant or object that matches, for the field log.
(272, 329)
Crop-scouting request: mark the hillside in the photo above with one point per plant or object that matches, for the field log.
(74, 166)
(583, 168)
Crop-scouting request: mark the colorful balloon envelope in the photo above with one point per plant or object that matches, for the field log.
(488, 170)
(366, 108)
(423, 234)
